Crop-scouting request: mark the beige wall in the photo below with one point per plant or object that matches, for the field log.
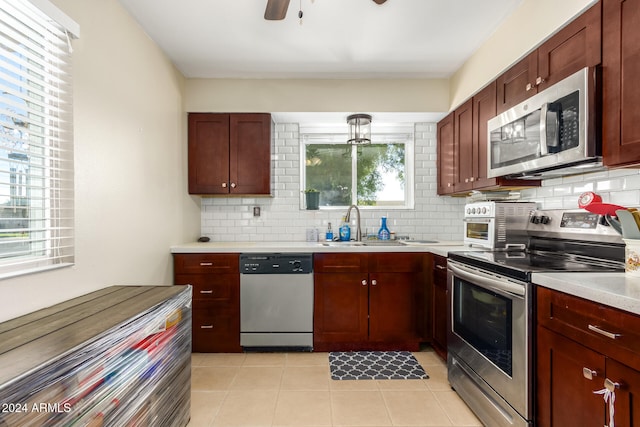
(533, 22)
(243, 95)
(528, 26)
(130, 161)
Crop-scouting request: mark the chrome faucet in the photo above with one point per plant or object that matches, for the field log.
(348, 219)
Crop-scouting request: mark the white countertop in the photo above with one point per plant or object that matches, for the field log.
(613, 289)
(440, 248)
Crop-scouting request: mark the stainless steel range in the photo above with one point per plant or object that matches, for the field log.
(491, 323)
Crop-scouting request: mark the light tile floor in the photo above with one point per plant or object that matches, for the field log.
(296, 389)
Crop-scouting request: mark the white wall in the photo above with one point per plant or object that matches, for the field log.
(130, 160)
(231, 219)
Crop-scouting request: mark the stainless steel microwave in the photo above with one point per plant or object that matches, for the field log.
(550, 134)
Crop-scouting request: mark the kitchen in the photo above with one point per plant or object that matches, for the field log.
(131, 157)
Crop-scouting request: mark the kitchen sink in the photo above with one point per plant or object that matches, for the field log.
(343, 244)
(382, 243)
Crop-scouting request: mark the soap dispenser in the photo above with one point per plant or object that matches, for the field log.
(345, 230)
(383, 233)
(329, 234)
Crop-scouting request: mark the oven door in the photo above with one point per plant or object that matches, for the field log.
(479, 232)
(489, 334)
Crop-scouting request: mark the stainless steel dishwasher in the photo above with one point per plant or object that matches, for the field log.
(276, 301)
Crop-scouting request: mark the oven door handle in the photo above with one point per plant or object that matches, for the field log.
(478, 220)
(486, 281)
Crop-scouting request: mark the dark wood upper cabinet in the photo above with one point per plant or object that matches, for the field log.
(229, 153)
(621, 93)
(462, 154)
(446, 156)
(575, 46)
(484, 108)
(516, 84)
(463, 141)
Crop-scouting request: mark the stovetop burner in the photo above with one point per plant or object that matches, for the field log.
(521, 264)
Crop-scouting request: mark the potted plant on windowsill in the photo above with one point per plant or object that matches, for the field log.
(312, 197)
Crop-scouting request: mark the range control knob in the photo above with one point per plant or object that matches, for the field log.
(296, 265)
(484, 210)
(545, 219)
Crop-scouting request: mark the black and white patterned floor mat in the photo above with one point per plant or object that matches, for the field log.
(375, 365)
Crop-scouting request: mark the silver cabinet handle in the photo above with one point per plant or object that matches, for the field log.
(206, 264)
(588, 373)
(374, 282)
(539, 80)
(206, 292)
(607, 334)
(233, 185)
(224, 185)
(440, 267)
(364, 283)
(206, 327)
(529, 87)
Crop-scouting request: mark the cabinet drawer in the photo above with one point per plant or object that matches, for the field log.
(224, 288)
(206, 263)
(612, 332)
(396, 262)
(215, 330)
(344, 262)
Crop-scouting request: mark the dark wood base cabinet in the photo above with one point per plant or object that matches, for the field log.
(216, 299)
(440, 305)
(584, 347)
(368, 301)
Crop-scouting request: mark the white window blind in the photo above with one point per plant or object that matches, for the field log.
(36, 141)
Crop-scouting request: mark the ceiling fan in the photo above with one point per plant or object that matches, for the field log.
(277, 9)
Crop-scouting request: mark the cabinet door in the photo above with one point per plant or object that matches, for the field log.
(463, 142)
(250, 154)
(392, 307)
(440, 305)
(484, 108)
(564, 395)
(574, 47)
(621, 92)
(446, 155)
(517, 83)
(208, 153)
(627, 404)
(340, 308)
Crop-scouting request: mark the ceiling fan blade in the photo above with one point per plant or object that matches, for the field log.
(379, 1)
(276, 10)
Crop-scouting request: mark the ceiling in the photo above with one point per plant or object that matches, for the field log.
(337, 38)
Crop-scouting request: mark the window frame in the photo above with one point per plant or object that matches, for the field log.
(37, 70)
(403, 136)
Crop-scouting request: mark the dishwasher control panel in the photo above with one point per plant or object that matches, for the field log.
(276, 263)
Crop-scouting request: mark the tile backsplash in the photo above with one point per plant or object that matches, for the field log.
(433, 218)
(282, 219)
(618, 186)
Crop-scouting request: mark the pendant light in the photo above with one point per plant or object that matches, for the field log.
(359, 129)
